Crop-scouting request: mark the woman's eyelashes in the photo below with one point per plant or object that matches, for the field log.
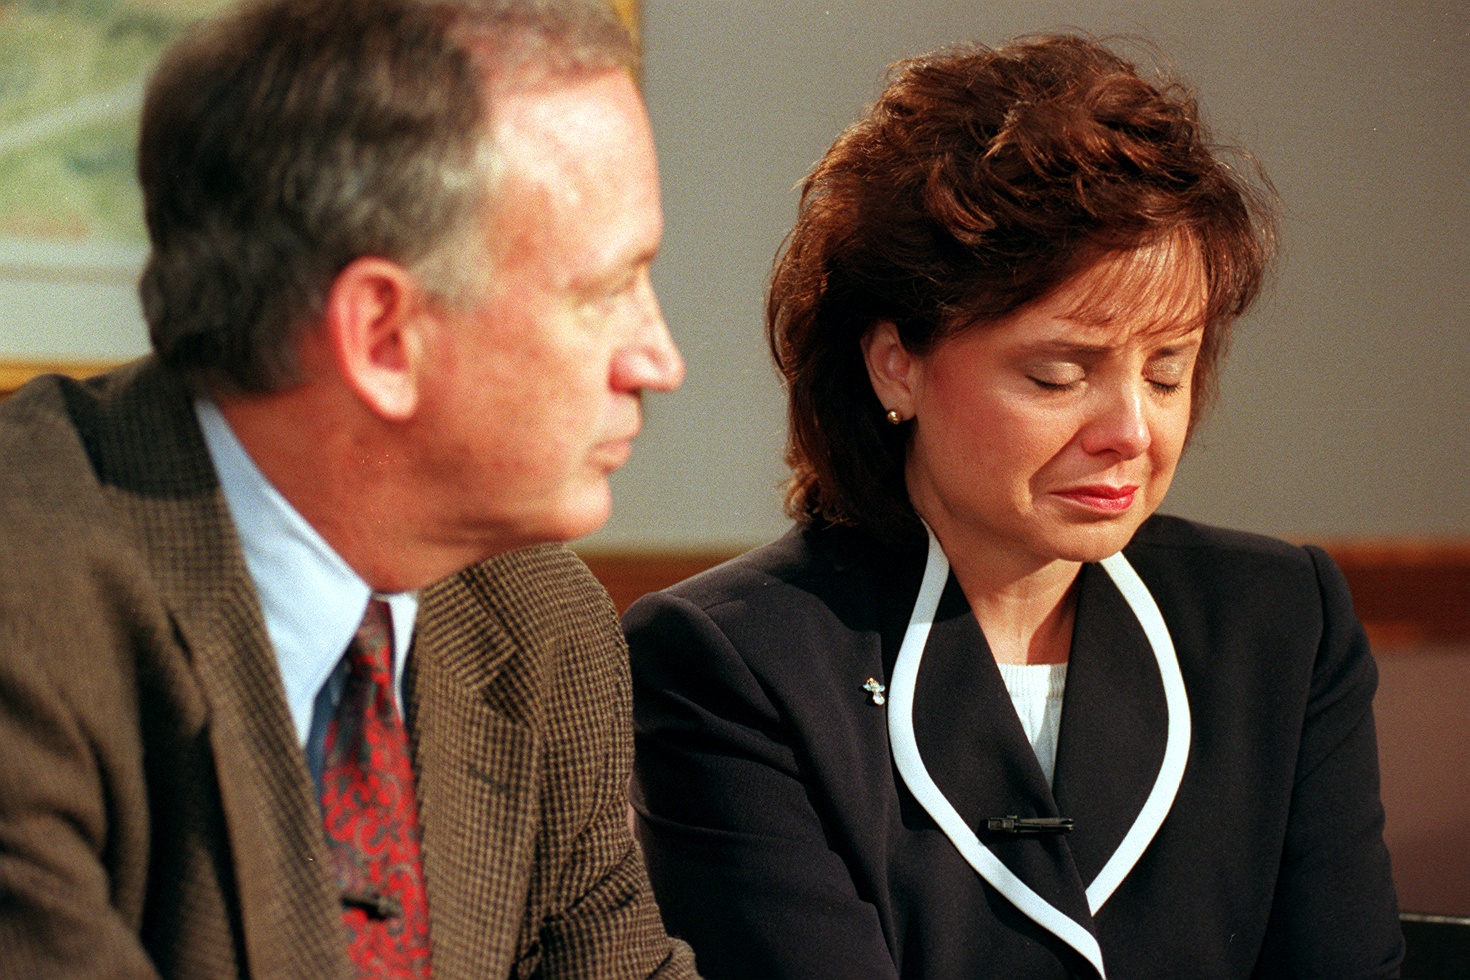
(1057, 377)
(1170, 373)
(1165, 378)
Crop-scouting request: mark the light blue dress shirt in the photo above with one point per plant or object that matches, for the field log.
(312, 600)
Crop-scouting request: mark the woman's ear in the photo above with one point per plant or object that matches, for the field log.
(891, 368)
(375, 321)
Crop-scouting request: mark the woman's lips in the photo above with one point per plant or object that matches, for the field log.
(1101, 498)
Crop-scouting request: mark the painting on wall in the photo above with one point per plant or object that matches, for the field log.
(71, 83)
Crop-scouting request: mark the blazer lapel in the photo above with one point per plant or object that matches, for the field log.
(977, 753)
(1114, 724)
(472, 688)
(1037, 876)
(1125, 727)
(290, 905)
(153, 458)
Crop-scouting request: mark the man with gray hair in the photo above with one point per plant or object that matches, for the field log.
(295, 677)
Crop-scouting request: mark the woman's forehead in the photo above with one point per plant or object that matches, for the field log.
(1159, 288)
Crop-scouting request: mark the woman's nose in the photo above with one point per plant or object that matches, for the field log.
(1120, 424)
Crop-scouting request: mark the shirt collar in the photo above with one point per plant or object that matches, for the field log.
(312, 600)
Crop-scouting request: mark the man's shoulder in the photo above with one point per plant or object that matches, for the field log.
(544, 591)
(131, 428)
(81, 605)
(51, 484)
(101, 484)
(41, 440)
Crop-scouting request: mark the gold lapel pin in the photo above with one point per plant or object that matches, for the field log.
(872, 686)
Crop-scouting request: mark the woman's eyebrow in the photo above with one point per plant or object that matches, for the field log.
(1181, 345)
(1067, 347)
(1059, 347)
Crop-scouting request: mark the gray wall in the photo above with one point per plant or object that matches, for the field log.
(56, 318)
(1346, 398)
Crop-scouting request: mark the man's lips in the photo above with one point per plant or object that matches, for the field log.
(1101, 497)
(615, 452)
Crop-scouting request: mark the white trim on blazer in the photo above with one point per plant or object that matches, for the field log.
(916, 776)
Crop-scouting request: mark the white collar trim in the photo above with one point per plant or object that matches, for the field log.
(916, 776)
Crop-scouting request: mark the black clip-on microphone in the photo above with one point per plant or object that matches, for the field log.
(1028, 826)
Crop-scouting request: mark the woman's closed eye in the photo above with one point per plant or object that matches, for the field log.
(1169, 374)
(1057, 377)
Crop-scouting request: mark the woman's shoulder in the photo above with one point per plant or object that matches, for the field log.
(1166, 532)
(800, 562)
(1187, 544)
(809, 583)
(1234, 567)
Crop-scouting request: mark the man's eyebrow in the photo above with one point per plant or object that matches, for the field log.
(619, 268)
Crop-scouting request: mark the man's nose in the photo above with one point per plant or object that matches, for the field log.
(651, 362)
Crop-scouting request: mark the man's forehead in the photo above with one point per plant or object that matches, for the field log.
(552, 123)
(576, 176)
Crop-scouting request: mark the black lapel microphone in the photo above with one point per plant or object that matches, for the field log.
(1028, 826)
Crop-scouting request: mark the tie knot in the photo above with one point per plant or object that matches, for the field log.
(371, 649)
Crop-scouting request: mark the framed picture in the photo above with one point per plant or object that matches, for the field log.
(72, 240)
(71, 84)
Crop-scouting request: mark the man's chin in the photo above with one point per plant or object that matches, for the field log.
(542, 522)
(585, 514)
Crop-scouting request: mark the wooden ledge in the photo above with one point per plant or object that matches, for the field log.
(13, 374)
(1409, 593)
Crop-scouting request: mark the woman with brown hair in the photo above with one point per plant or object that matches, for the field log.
(982, 712)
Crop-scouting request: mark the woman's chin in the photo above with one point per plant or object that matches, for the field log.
(1094, 542)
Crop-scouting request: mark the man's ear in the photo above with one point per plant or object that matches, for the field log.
(891, 368)
(375, 320)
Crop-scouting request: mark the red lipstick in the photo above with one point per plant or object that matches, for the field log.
(1101, 498)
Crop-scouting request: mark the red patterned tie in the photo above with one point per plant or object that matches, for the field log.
(371, 818)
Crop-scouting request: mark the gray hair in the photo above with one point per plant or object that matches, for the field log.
(287, 138)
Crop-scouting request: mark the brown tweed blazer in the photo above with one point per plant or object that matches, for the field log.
(156, 814)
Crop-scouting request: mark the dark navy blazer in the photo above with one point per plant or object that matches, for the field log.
(785, 842)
